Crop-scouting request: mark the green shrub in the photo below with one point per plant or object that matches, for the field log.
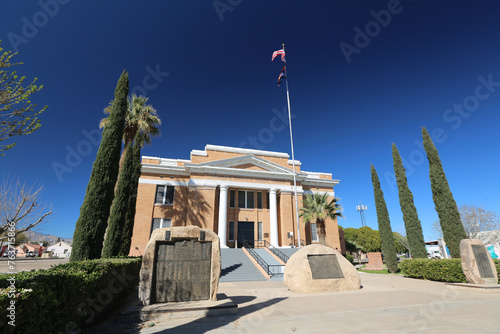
(497, 264)
(449, 270)
(350, 258)
(68, 296)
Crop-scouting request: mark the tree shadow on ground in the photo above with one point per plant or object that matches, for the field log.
(227, 270)
(250, 325)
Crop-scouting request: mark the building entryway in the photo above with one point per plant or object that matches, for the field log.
(245, 233)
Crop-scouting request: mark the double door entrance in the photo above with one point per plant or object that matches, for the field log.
(246, 233)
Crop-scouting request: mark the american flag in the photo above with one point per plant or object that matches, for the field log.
(279, 52)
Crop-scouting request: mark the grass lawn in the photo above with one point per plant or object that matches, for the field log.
(383, 271)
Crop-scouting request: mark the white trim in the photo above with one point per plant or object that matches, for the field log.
(199, 152)
(317, 173)
(319, 182)
(278, 172)
(158, 158)
(311, 192)
(241, 185)
(158, 169)
(163, 182)
(297, 162)
(245, 185)
(246, 151)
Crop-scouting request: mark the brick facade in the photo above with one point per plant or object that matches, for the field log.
(197, 193)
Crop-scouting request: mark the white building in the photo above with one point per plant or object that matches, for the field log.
(60, 249)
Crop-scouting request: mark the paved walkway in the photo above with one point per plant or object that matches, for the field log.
(385, 304)
(22, 264)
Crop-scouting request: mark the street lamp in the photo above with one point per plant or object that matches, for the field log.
(362, 208)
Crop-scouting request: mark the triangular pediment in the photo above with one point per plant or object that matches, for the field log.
(248, 162)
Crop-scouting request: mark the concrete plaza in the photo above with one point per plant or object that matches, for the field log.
(385, 304)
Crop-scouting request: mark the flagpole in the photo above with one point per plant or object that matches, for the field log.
(293, 155)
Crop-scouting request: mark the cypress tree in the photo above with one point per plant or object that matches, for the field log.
(384, 225)
(446, 207)
(410, 217)
(119, 207)
(130, 216)
(94, 213)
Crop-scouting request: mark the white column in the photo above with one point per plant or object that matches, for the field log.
(223, 216)
(273, 212)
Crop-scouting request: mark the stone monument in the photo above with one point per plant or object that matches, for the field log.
(477, 264)
(374, 261)
(180, 264)
(317, 268)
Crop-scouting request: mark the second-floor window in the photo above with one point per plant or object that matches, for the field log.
(165, 195)
(246, 199)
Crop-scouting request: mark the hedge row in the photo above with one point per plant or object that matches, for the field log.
(66, 297)
(449, 270)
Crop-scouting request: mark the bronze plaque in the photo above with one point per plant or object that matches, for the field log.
(483, 262)
(325, 266)
(182, 271)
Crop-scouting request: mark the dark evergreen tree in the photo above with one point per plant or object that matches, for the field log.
(94, 213)
(384, 225)
(446, 207)
(410, 217)
(130, 215)
(116, 222)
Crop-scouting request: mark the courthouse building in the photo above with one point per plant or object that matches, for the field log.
(243, 195)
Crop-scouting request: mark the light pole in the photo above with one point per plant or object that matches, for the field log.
(362, 208)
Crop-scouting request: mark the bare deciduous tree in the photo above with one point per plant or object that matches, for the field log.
(478, 222)
(21, 208)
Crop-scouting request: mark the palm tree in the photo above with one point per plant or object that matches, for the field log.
(140, 117)
(317, 208)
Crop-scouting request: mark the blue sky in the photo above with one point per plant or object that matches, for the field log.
(362, 75)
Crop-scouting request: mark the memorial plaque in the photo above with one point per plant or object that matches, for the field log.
(324, 266)
(483, 262)
(182, 271)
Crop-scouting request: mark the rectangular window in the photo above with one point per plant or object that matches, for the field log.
(267, 200)
(314, 232)
(231, 231)
(161, 223)
(160, 194)
(246, 199)
(231, 198)
(259, 200)
(260, 231)
(250, 200)
(165, 195)
(241, 199)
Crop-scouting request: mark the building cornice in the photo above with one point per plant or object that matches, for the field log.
(246, 151)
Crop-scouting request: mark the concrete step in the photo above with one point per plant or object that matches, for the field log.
(288, 251)
(236, 266)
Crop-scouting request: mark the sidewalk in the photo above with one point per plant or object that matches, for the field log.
(385, 304)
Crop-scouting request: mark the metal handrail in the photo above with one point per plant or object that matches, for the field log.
(282, 256)
(271, 269)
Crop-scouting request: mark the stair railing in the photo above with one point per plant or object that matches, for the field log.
(282, 256)
(270, 269)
